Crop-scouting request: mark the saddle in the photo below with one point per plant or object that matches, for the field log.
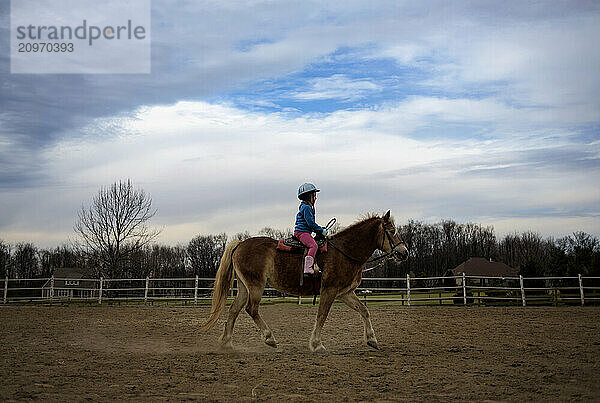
(293, 244)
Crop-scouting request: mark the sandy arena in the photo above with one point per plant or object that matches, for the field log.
(444, 353)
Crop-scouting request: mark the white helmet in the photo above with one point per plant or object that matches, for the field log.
(307, 188)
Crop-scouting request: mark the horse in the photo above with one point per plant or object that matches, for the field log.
(256, 261)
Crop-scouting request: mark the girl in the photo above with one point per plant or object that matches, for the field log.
(305, 225)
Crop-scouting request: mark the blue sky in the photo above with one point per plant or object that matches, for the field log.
(473, 111)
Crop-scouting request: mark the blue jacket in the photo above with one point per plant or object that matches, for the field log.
(305, 219)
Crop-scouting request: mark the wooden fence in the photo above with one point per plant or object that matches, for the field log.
(464, 290)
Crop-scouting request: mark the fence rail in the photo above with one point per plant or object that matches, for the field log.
(405, 290)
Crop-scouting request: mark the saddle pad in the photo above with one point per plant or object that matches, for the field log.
(293, 244)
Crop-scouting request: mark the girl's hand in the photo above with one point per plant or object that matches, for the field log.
(325, 232)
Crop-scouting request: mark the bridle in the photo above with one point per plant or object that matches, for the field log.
(390, 239)
(385, 256)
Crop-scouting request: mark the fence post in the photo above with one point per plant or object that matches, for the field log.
(408, 288)
(6, 287)
(522, 291)
(51, 288)
(464, 284)
(196, 291)
(100, 291)
(581, 289)
(146, 290)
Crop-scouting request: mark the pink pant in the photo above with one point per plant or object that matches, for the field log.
(308, 241)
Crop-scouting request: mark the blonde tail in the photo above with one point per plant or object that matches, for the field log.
(223, 282)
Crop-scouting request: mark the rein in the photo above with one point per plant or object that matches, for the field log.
(330, 242)
(386, 255)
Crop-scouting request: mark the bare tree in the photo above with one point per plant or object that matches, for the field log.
(24, 261)
(275, 233)
(60, 256)
(4, 258)
(241, 236)
(158, 261)
(204, 252)
(114, 227)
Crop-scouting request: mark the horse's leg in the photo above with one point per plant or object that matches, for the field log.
(240, 302)
(256, 292)
(327, 298)
(353, 302)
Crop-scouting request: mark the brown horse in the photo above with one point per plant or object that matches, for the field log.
(256, 261)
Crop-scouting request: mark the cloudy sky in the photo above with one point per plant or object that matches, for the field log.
(486, 112)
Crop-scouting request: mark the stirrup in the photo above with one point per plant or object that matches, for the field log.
(315, 273)
(314, 276)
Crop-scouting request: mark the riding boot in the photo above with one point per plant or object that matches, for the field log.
(309, 261)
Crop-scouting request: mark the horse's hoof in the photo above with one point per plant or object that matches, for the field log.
(373, 343)
(271, 342)
(226, 347)
(319, 348)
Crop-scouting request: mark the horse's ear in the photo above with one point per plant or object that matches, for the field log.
(386, 217)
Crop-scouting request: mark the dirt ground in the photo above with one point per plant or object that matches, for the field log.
(109, 353)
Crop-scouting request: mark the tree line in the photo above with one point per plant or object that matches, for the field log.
(434, 249)
(115, 241)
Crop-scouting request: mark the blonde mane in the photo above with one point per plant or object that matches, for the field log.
(363, 218)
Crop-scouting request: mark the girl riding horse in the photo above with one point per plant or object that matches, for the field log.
(257, 260)
(305, 224)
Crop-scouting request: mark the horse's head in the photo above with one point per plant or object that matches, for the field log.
(391, 242)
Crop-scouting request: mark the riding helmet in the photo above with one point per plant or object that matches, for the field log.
(307, 188)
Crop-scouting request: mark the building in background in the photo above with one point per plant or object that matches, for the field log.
(478, 266)
(71, 282)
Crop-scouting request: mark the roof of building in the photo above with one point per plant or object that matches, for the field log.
(478, 266)
(71, 273)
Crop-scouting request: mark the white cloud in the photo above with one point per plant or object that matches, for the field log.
(337, 86)
(546, 63)
(406, 52)
(213, 168)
